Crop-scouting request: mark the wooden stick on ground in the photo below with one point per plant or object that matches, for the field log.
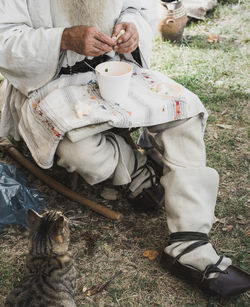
(60, 188)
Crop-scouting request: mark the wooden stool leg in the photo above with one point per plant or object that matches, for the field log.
(74, 181)
(20, 144)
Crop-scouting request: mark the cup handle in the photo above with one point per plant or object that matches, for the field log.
(170, 21)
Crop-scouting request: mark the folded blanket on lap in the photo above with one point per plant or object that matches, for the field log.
(72, 102)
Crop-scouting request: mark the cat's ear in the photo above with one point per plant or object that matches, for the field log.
(34, 218)
(58, 225)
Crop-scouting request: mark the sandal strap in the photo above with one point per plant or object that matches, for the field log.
(213, 268)
(201, 239)
(190, 248)
(152, 176)
(185, 236)
(137, 171)
(188, 236)
(136, 163)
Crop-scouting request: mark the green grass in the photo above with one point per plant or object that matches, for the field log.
(219, 74)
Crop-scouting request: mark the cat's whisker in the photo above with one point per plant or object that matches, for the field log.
(76, 220)
(75, 217)
(70, 211)
(76, 223)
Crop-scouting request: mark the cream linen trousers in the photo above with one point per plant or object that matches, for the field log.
(190, 186)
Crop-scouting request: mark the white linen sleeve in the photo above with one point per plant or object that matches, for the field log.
(144, 15)
(28, 57)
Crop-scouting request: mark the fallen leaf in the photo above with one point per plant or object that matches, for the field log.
(213, 38)
(223, 126)
(242, 222)
(240, 217)
(222, 221)
(98, 288)
(228, 228)
(150, 254)
(109, 194)
(215, 219)
(93, 290)
(221, 120)
(239, 140)
(4, 142)
(105, 227)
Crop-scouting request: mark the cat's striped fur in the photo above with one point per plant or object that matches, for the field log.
(50, 278)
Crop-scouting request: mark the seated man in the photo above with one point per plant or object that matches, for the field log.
(48, 51)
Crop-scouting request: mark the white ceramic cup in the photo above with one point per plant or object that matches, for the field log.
(114, 79)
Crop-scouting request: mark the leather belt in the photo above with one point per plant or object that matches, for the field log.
(84, 66)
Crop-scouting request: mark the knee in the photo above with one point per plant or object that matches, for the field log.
(93, 158)
(72, 156)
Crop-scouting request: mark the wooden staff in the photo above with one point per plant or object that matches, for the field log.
(60, 188)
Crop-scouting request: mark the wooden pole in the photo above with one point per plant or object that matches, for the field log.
(60, 188)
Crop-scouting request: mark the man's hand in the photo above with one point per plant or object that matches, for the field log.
(88, 41)
(129, 41)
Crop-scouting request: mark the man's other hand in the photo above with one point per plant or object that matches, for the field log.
(129, 41)
(88, 41)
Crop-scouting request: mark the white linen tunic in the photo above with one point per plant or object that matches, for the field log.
(42, 107)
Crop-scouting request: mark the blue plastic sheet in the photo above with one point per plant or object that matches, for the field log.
(17, 196)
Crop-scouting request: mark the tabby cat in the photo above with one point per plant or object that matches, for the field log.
(50, 278)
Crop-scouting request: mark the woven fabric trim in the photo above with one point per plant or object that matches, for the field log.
(177, 13)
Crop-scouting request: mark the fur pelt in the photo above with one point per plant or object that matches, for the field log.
(98, 13)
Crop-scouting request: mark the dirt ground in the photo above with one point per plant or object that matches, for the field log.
(102, 247)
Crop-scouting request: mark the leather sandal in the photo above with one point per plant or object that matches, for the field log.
(150, 198)
(230, 282)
